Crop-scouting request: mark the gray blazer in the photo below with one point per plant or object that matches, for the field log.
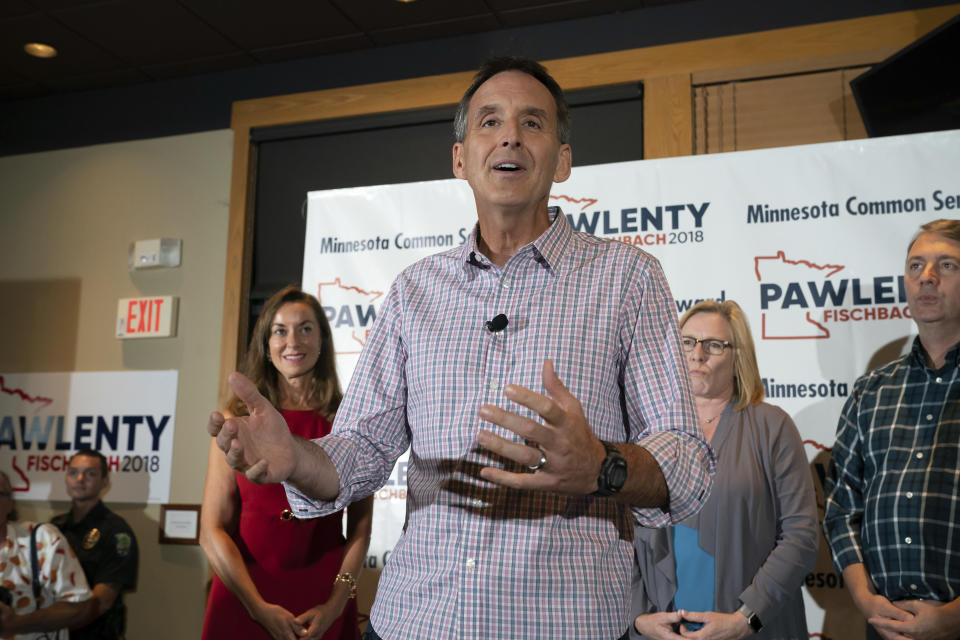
(759, 523)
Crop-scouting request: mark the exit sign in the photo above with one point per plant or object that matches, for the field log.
(154, 317)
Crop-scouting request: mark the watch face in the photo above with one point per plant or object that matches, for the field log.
(618, 475)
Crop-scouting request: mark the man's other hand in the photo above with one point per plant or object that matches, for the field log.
(258, 445)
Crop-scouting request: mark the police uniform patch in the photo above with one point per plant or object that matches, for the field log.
(123, 543)
(91, 539)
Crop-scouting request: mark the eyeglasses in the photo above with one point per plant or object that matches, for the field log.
(711, 346)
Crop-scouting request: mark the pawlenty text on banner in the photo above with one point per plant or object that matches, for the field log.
(810, 240)
(128, 416)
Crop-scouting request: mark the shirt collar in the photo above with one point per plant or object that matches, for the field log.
(953, 355)
(919, 354)
(97, 512)
(547, 250)
(554, 242)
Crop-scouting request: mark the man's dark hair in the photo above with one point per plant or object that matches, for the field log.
(92, 453)
(492, 67)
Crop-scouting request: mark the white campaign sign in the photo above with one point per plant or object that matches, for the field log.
(810, 240)
(357, 241)
(128, 416)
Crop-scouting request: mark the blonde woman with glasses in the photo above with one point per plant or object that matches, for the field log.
(734, 569)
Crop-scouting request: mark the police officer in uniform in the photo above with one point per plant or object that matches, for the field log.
(103, 542)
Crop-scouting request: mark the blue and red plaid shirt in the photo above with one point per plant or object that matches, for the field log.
(478, 560)
(893, 497)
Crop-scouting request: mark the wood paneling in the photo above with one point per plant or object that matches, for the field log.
(715, 118)
(777, 112)
(239, 251)
(667, 116)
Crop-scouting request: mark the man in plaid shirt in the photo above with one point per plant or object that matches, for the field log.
(522, 489)
(892, 515)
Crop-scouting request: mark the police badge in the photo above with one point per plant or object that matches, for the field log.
(91, 538)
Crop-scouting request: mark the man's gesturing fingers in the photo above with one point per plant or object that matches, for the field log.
(260, 444)
(248, 393)
(563, 451)
(230, 442)
(558, 391)
(524, 427)
(215, 423)
(555, 408)
(528, 455)
(226, 435)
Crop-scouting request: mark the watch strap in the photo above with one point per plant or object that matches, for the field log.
(609, 482)
(752, 619)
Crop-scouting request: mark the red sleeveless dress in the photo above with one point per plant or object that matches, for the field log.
(293, 563)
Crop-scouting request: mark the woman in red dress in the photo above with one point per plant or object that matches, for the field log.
(276, 576)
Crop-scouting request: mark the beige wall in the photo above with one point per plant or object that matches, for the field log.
(66, 219)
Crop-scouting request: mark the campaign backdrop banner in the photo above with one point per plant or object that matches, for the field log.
(128, 416)
(357, 241)
(809, 240)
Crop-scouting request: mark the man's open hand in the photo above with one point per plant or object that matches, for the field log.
(572, 451)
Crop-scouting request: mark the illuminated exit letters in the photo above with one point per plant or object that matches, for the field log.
(153, 317)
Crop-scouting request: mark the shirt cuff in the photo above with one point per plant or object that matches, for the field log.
(688, 465)
(845, 555)
(342, 454)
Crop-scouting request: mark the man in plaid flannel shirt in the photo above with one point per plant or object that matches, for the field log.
(892, 516)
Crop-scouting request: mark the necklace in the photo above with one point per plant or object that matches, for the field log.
(714, 418)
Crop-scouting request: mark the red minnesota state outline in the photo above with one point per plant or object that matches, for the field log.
(817, 445)
(41, 400)
(347, 287)
(782, 257)
(588, 201)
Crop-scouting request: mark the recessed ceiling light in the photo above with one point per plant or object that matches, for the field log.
(39, 50)
(406, 1)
